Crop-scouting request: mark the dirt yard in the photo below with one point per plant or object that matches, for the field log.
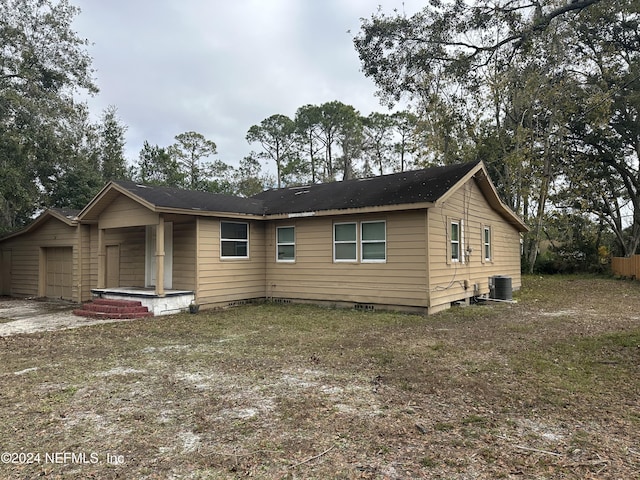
(546, 388)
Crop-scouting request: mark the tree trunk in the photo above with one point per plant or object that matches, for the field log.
(536, 235)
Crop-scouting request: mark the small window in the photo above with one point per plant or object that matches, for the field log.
(486, 242)
(286, 244)
(374, 241)
(234, 240)
(455, 241)
(345, 242)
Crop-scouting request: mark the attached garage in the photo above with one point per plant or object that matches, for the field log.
(58, 274)
(45, 258)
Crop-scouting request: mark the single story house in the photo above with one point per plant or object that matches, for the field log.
(418, 240)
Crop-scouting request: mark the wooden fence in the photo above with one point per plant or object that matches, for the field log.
(626, 266)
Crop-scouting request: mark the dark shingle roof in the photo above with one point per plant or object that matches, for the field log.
(66, 213)
(69, 213)
(417, 186)
(399, 188)
(169, 197)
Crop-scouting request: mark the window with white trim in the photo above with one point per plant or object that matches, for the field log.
(486, 243)
(373, 241)
(345, 242)
(234, 240)
(285, 244)
(455, 241)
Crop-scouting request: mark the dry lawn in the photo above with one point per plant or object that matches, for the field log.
(545, 388)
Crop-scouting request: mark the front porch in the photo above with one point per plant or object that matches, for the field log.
(168, 303)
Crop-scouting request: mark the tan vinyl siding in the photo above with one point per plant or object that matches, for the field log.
(184, 255)
(89, 263)
(401, 280)
(447, 278)
(124, 212)
(223, 281)
(92, 280)
(25, 272)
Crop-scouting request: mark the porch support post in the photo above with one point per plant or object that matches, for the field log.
(160, 257)
(102, 260)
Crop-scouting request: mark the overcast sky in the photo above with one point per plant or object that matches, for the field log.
(217, 67)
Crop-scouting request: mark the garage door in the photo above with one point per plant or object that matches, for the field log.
(59, 277)
(5, 272)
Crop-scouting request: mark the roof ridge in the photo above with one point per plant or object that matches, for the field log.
(374, 177)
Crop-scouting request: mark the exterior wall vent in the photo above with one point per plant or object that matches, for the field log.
(239, 303)
(283, 301)
(364, 306)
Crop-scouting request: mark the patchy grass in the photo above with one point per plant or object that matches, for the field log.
(545, 388)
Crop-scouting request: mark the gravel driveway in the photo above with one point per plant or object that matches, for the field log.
(39, 315)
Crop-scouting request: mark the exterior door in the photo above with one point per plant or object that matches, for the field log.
(113, 266)
(150, 270)
(59, 272)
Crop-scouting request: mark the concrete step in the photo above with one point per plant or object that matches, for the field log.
(112, 315)
(117, 303)
(115, 309)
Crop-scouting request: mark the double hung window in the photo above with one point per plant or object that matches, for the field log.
(486, 243)
(455, 241)
(285, 244)
(374, 241)
(345, 242)
(234, 240)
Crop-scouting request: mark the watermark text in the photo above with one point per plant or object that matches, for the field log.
(61, 458)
